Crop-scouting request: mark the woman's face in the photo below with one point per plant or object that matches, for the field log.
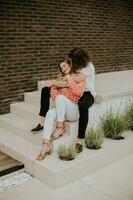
(65, 68)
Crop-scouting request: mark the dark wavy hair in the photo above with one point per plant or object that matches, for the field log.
(79, 57)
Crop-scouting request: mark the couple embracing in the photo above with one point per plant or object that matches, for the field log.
(73, 93)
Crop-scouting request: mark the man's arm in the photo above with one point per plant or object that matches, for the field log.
(78, 77)
(57, 83)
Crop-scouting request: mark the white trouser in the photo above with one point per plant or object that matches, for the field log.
(64, 109)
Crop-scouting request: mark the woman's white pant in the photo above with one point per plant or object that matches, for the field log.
(64, 109)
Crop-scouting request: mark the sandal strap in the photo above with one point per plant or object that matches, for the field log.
(59, 127)
(46, 142)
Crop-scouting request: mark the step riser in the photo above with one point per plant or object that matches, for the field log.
(41, 84)
(22, 133)
(35, 100)
(70, 136)
(29, 99)
(28, 163)
(20, 112)
(24, 113)
(90, 165)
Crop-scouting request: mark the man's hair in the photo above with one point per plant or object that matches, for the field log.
(79, 58)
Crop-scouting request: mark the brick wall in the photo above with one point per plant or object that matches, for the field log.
(36, 34)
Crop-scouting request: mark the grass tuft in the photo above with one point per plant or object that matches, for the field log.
(66, 153)
(94, 138)
(113, 124)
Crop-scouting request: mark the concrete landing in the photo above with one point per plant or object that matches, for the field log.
(114, 182)
(57, 173)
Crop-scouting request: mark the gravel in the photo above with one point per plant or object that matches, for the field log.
(14, 180)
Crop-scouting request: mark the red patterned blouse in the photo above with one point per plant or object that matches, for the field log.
(73, 92)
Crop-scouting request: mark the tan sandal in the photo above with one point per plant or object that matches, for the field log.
(58, 133)
(44, 153)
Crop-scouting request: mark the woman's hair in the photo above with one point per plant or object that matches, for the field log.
(79, 58)
(67, 60)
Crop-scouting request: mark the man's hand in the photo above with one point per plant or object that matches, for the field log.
(68, 77)
(49, 83)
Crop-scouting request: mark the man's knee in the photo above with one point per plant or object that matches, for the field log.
(85, 105)
(45, 90)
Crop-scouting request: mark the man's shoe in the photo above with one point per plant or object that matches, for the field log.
(37, 128)
(120, 137)
(78, 148)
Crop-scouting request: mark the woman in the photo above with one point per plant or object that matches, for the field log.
(66, 107)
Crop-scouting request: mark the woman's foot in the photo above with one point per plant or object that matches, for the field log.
(46, 150)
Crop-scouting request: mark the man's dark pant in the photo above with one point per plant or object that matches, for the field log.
(45, 101)
(85, 102)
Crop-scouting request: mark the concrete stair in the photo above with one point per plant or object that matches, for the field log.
(17, 141)
(55, 172)
(21, 127)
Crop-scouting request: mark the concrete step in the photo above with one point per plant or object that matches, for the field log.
(24, 115)
(41, 84)
(32, 97)
(117, 105)
(19, 149)
(114, 84)
(57, 173)
(110, 85)
(25, 110)
(21, 127)
(89, 161)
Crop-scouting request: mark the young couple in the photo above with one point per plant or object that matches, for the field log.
(73, 93)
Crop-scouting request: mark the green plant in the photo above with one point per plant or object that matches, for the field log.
(66, 153)
(113, 124)
(128, 114)
(94, 138)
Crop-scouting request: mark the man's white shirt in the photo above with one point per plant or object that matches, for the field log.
(89, 72)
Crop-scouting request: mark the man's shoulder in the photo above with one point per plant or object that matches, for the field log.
(90, 65)
(89, 68)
